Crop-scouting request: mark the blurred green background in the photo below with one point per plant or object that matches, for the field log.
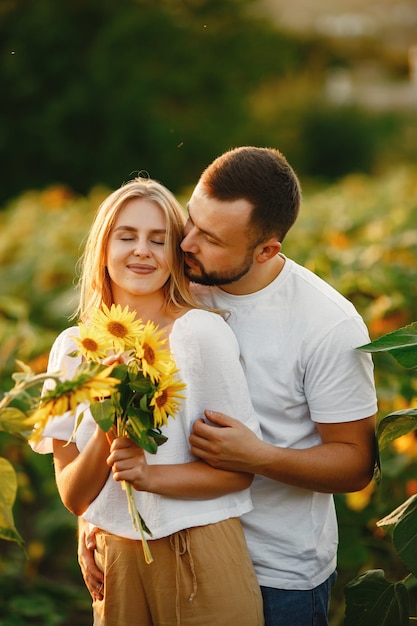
(94, 92)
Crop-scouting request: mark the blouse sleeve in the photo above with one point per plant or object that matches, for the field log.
(60, 427)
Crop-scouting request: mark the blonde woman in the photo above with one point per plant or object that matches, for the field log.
(202, 573)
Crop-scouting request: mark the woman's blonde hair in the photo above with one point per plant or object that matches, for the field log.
(94, 281)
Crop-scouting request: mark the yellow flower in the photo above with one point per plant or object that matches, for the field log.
(155, 359)
(167, 399)
(119, 326)
(91, 344)
(407, 444)
(88, 385)
(358, 500)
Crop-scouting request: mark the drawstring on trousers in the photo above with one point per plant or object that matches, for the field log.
(180, 542)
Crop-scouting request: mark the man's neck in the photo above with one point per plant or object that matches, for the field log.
(259, 277)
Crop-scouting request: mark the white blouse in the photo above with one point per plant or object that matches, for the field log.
(207, 355)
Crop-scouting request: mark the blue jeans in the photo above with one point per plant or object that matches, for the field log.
(298, 608)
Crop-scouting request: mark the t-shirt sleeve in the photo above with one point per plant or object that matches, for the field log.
(339, 381)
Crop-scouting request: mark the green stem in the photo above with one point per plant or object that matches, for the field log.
(24, 384)
(137, 520)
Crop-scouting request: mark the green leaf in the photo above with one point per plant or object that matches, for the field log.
(141, 385)
(120, 371)
(12, 421)
(396, 425)
(404, 536)
(401, 344)
(144, 406)
(389, 521)
(138, 431)
(372, 600)
(8, 488)
(158, 437)
(103, 413)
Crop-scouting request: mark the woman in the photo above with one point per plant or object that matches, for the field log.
(201, 573)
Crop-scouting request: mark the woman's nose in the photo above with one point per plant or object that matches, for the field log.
(142, 249)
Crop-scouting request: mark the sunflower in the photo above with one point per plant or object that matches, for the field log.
(119, 326)
(150, 351)
(89, 384)
(91, 345)
(167, 399)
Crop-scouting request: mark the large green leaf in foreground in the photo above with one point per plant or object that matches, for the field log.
(401, 344)
(396, 425)
(371, 600)
(8, 488)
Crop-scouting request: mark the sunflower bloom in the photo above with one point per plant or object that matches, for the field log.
(155, 358)
(166, 400)
(87, 386)
(91, 345)
(119, 325)
(142, 393)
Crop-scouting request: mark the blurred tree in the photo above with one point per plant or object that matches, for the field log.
(341, 139)
(94, 90)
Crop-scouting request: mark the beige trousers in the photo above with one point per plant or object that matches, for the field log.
(200, 576)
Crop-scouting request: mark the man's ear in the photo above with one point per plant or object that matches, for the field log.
(268, 249)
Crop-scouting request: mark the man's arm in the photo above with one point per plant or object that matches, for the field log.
(342, 463)
(93, 577)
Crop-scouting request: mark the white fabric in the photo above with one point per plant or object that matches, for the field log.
(297, 338)
(207, 355)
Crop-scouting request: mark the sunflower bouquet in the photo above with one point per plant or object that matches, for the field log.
(134, 396)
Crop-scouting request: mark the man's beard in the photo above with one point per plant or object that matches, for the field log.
(212, 279)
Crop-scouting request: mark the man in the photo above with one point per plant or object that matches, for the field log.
(314, 394)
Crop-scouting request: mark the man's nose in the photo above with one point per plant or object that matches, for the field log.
(187, 243)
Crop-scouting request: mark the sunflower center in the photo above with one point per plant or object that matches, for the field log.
(148, 354)
(161, 399)
(90, 344)
(117, 329)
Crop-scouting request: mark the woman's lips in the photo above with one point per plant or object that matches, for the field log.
(140, 268)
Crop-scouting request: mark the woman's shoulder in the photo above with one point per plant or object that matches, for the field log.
(64, 344)
(201, 317)
(66, 337)
(206, 325)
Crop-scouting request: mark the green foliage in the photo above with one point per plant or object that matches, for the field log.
(370, 598)
(342, 139)
(15, 406)
(41, 603)
(97, 90)
(8, 488)
(389, 604)
(358, 234)
(401, 343)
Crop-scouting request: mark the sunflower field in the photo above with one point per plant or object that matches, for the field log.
(359, 234)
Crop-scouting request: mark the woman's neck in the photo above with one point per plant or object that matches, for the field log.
(152, 308)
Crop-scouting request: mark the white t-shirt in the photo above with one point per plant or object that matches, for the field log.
(207, 354)
(297, 338)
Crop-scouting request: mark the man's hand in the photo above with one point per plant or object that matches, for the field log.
(341, 463)
(93, 577)
(232, 447)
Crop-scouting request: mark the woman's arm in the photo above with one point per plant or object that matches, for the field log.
(80, 476)
(194, 480)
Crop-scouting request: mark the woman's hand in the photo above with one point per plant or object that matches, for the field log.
(128, 462)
